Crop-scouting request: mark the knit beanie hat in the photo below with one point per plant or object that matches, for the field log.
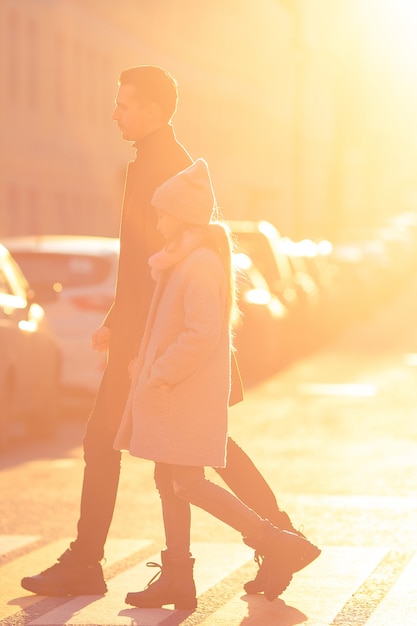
(188, 195)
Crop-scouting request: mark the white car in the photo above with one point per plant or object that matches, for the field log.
(74, 278)
(30, 358)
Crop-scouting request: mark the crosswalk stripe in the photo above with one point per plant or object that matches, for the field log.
(317, 594)
(400, 601)
(8, 543)
(333, 577)
(14, 599)
(213, 561)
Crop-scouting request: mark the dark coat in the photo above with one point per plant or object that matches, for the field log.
(159, 156)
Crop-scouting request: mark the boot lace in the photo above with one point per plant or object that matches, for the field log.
(157, 575)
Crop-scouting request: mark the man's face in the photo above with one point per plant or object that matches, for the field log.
(131, 115)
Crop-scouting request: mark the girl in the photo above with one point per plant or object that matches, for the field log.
(176, 413)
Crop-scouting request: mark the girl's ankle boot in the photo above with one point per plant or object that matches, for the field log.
(174, 585)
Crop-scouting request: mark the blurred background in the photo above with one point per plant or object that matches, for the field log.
(306, 113)
(305, 109)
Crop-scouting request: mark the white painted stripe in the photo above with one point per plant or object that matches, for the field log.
(315, 595)
(62, 463)
(322, 589)
(12, 597)
(331, 389)
(214, 561)
(38, 560)
(362, 502)
(410, 359)
(12, 542)
(399, 605)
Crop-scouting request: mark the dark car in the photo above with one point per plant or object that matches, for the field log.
(262, 242)
(260, 331)
(30, 358)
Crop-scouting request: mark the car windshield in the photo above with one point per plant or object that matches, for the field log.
(274, 267)
(69, 270)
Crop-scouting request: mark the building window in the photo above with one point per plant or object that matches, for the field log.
(63, 213)
(14, 210)
(13, 52)
(78, 87)
(32, 220)
(59, 82)
(32, 66)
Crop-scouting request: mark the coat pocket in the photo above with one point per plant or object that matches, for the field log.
(155, 401)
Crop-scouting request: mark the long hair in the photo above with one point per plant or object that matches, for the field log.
(218, 237)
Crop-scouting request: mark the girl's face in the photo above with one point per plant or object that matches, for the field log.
(168, 225)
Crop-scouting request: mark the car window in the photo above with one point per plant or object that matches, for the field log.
(13, 279)
(68, 270)
(4, 283)
(258, 249)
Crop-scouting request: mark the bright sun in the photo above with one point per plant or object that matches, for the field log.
(391, 33)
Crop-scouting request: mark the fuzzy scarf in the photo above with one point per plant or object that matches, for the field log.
(166, 258)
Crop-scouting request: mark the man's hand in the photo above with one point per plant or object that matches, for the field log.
(100, 339)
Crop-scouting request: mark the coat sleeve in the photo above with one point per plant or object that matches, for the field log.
(205, 318)
(109, 317)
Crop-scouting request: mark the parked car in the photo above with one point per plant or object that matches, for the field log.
(307, 287)
(30, 358)
(260, 331)
(365, 262)
(335, 298)
(262, 242)
(73, 278)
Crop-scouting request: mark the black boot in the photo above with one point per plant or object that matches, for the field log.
(71, 576)
(282, 521)
(258, 584)
(284, 553)
(175, 585)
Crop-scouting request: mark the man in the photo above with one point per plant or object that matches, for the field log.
(145, 104)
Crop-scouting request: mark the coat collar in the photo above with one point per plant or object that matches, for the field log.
(154, 141)
(165, 258)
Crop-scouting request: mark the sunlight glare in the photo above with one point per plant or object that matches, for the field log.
(392, 27)
(359, 390)
(410, 359)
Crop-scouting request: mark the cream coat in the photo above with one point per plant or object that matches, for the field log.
(186, 346)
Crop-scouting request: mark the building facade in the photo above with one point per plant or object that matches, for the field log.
(256, 100)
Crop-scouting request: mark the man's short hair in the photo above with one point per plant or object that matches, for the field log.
(153, 84)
